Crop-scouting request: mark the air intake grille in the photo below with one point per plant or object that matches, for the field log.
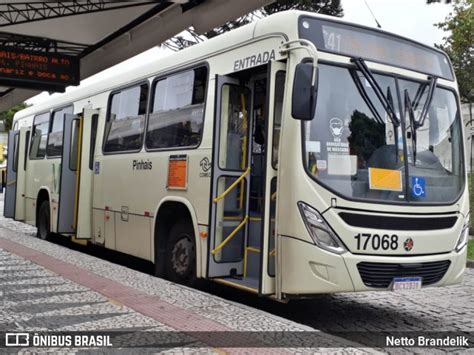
(380, 275)
(398, 223)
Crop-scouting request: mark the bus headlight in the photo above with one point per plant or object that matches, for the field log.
(462, 241)
(319, 230)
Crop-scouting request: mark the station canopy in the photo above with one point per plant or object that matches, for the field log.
(97, 34)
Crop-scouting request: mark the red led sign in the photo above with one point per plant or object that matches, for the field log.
(40, 71)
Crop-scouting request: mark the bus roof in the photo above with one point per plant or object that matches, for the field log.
(283, 22)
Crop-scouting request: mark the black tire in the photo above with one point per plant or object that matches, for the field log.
(44, 221)
(180, 259)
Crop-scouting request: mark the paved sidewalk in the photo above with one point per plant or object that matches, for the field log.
(47, 287)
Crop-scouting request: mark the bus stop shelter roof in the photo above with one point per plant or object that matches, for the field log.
(102, 33)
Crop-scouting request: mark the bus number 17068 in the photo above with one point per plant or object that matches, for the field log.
(384, 242)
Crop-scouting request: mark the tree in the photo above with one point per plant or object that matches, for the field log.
(7, 116)
(190, 37)
(459, 44)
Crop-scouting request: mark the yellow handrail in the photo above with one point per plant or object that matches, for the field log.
(252, 249)
(231, 187)
(231, 235)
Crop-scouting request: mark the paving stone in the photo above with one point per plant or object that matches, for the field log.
(32, 298)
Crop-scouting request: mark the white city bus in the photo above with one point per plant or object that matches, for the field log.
(297, 155)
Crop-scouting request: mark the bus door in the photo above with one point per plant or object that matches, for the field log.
(69, 178)
(12, 168)
(230, 181)
(22, 157)
(275, 91)
(83, 208)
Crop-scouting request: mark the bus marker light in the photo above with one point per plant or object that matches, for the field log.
(203, 235)
(147, 214)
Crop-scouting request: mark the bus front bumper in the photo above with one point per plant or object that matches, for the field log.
(307, 269)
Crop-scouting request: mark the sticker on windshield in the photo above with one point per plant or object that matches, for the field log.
(337, 128)
(385, 179)
(418, 187)
(313, 146)
(342, 164)
(322, 164)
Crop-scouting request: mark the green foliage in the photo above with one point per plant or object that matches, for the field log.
(326, 7)
(7, 116)
(366, 135)
(459, 45)
(470, 250)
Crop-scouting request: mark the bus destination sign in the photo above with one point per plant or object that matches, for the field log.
(35, 70)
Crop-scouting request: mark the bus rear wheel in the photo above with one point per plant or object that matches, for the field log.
(180, 257)
(44, 221)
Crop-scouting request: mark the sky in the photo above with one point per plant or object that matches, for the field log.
(410, 18)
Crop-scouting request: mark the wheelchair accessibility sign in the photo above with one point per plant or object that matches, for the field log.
(418, 187)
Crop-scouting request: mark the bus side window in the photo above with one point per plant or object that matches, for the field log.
(39, 136)
(55, 136)
(27, 141)
(177, 115)
(15, 152)
(126, 120)
(279, 92)
(73, 152)
(95, 121)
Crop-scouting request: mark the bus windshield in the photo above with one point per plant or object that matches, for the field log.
(354, 148)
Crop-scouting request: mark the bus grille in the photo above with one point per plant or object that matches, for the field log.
(398, 223)
(380, 275)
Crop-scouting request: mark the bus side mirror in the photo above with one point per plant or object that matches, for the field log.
(305, 85)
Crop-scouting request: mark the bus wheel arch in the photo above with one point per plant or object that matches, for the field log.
(174, 216)
(43, 215)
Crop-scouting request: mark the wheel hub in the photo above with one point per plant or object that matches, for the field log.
(181, 256)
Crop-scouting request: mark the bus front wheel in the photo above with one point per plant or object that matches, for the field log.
(180, 262)
(44, 221)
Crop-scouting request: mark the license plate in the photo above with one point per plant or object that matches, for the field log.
(406, 283)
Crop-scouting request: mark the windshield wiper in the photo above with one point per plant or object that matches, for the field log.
(366, 98)
(419, 94)
(386, 101)
(417, 123)
(424, 113)
(413, 127)
(388, 107)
